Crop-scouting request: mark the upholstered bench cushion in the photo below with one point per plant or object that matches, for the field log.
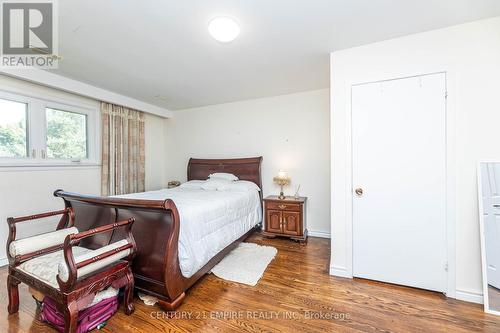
(48, 266)
(38, 242)
(45, 267)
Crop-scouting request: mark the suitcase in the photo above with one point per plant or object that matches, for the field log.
(88, 319)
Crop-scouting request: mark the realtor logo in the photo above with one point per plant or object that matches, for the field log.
(28, 34)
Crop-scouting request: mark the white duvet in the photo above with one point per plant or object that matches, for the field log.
(209, 221)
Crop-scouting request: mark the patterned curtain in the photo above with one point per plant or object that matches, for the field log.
(122, 150)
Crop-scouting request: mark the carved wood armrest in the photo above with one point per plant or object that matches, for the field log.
(67, 219)
(74, 239)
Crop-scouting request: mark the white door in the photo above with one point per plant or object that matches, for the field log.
(491, 209)
(399, 164)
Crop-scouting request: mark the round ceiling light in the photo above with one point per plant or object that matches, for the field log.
(224, 29)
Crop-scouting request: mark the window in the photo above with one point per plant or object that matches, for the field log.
(38, 132)
(66, 134)
(13, 129)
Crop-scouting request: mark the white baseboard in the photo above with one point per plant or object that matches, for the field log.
(469, 296)
(3, 262)
(340, 272)
(320, 234)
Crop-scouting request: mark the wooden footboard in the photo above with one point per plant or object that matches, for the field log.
(156, 231)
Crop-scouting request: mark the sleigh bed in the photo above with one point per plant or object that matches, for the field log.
(156, 229)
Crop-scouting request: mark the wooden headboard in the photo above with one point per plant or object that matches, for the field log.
(243, 168)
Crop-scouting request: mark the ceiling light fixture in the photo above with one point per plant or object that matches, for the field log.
(223, 29)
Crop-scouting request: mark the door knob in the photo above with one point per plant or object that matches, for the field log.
(359, 191)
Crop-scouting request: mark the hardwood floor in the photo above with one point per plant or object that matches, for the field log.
(296, 294)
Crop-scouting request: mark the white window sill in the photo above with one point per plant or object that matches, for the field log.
(6, 167)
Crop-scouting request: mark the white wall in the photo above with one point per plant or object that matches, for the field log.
(25, 191)
(291, 132)
(155, 146)
(470, 54)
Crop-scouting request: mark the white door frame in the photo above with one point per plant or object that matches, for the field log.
(450, 176)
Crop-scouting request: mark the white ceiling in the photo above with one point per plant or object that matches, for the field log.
(160, 51)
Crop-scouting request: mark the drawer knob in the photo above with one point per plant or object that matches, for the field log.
(282, 206)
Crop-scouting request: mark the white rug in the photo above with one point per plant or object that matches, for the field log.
(245, 264)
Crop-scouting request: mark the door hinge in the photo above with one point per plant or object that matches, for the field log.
(446, 266)
(446, 95)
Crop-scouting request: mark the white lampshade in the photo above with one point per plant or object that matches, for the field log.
(282, 174)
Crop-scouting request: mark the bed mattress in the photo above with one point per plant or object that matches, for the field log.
(209, 221)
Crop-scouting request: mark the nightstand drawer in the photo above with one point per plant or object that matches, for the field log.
(283, 206)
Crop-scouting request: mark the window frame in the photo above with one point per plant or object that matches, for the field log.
(37, 132)
(19, 99)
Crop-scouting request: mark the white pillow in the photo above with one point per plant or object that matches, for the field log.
(215, 183)
(222, 175)
(239, 186)
(193, 184)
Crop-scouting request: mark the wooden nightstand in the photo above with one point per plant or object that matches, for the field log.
(285, 218)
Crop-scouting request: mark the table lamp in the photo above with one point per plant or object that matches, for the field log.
(281, 179)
